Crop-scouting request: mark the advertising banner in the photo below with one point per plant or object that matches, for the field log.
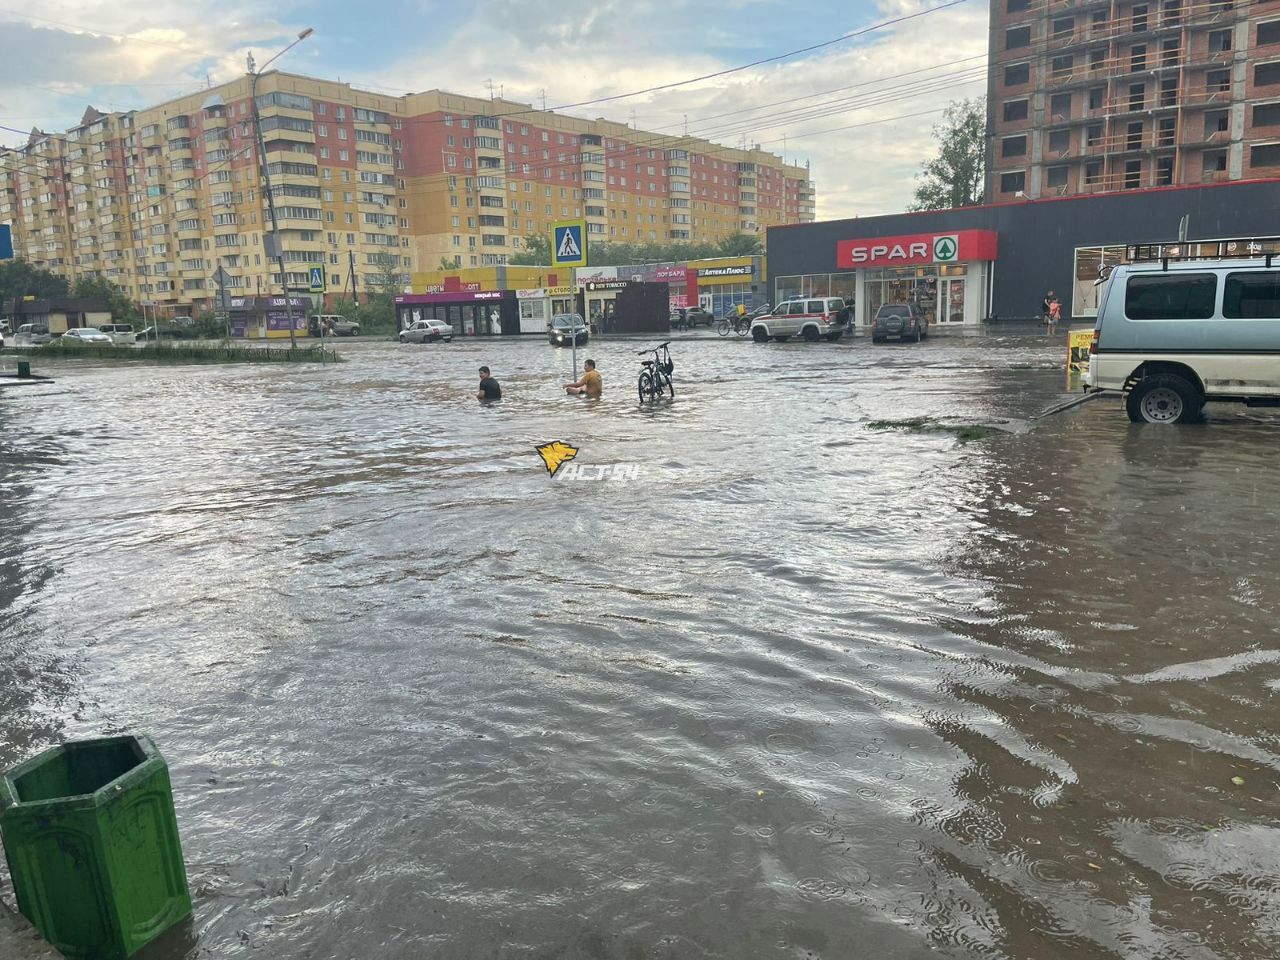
(918, 249)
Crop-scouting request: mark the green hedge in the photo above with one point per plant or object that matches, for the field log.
(184, 353)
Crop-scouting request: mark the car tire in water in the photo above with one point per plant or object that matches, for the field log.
(810, 334)
(759, 335)
(1164, 398)
(403, 338)
(355, 331)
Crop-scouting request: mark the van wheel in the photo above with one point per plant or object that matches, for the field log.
(811, 334)
(1164, 398)
(759, 335)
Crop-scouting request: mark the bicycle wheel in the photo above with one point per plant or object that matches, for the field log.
(722, 328)
(645, 386)
(671, 390)
(744, 328)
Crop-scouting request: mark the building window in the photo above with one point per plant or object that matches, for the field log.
(1132, 174)
(1061, 66)
(1164, 172)
(1215, 122)
(1060, 106)
(1266, 114)
(1137, 96)
(1268, 33)
(1133, 136)
(1017, 37)
(1013, 182)
(1098, 58)
(1169, 50)
(1097, 97)
(1137, 58)
(1265, 155)
(1219, 41)
(1056, 177)
(1215, 161)
(1015, 110)
(1063, 27)
(1017, 6)
(1140, 18)
(1093, 172)
(1166, 133)
(1266, 74)
(1059, 142)
(1017, 74)
(1013, 147)
(1169, 92)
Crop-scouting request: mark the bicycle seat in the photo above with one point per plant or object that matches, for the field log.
(646, 363)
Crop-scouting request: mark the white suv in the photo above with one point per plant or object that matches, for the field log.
(810, 317)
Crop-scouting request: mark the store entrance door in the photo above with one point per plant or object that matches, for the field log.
(951, 301)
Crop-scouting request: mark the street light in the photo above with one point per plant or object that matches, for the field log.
(266, 173)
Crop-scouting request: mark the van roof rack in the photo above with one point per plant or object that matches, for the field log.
(1242, 248)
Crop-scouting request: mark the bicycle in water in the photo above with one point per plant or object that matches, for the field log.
(655, 374)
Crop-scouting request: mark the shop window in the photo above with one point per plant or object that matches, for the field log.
(1013, 182)
(1015, 110)
(1059, 142)
(1017, 74)
(1132, 174)
(1017, 37)
(1266, 114)
(1184, 297)
(1268, 32)
(1063, 27)
(1219, 41)
(1251, 296)
(1013, 147)
(1265, 74)
(1265, 155)
(1056, 177)
(1060, 106)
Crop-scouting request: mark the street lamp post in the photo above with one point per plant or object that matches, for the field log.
(266, 175)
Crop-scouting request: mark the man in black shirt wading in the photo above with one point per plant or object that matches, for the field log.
(489, 389)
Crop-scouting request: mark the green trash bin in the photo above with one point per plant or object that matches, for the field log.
(92, 845)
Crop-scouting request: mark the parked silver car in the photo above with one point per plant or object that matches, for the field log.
(426, 331)
(31, 335)
(86, 335)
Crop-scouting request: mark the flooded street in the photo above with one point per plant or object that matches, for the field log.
(803, 689)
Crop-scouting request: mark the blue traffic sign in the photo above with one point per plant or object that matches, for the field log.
(6, 242)
(569, 244)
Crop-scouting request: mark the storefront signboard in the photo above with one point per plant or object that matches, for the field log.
(670, 274)
(593, 286)
(919, 249)
(540, 293)
(739, 271)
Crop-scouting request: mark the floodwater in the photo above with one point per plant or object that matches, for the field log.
(799, 688)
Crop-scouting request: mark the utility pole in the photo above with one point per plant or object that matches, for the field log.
(274, 246)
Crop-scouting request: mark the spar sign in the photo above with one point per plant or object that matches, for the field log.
(917, 249)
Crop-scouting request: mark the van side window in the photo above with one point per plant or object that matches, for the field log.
(816, 306)
(1253, 295)
(1173, 297)
(797, 309)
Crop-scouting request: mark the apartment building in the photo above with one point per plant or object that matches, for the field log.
(1099, 95)
(160, 199)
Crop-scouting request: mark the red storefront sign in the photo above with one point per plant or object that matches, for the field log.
(917, 249)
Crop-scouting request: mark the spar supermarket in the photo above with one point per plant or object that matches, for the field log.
(978, 264)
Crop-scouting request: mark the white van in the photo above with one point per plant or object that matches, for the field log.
(813, 318)
(1175, 335)
(120, 333)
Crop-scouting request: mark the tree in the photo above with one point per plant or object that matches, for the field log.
(535, 253)
(379, 310)
(20, 279)
(94, 286)
(954, 178)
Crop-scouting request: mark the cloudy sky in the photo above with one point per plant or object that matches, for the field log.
(860, 110)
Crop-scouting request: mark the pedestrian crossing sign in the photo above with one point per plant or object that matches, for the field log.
(569, 244)
(317, 279)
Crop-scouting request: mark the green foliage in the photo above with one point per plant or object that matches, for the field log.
(20, 279)
(537, 251)
(94, 286)
(454, 263)
(954, 178)
(209, 326)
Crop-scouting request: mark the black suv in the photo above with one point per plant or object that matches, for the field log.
(686, 317)
(901, 320)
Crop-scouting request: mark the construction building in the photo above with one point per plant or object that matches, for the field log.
(1090, 96)
(368, 186)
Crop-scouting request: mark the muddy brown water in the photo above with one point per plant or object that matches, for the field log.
(804, 689)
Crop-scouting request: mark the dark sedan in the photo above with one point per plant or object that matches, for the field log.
(565, 328)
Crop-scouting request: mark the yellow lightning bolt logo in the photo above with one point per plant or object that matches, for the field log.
(556, 454)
